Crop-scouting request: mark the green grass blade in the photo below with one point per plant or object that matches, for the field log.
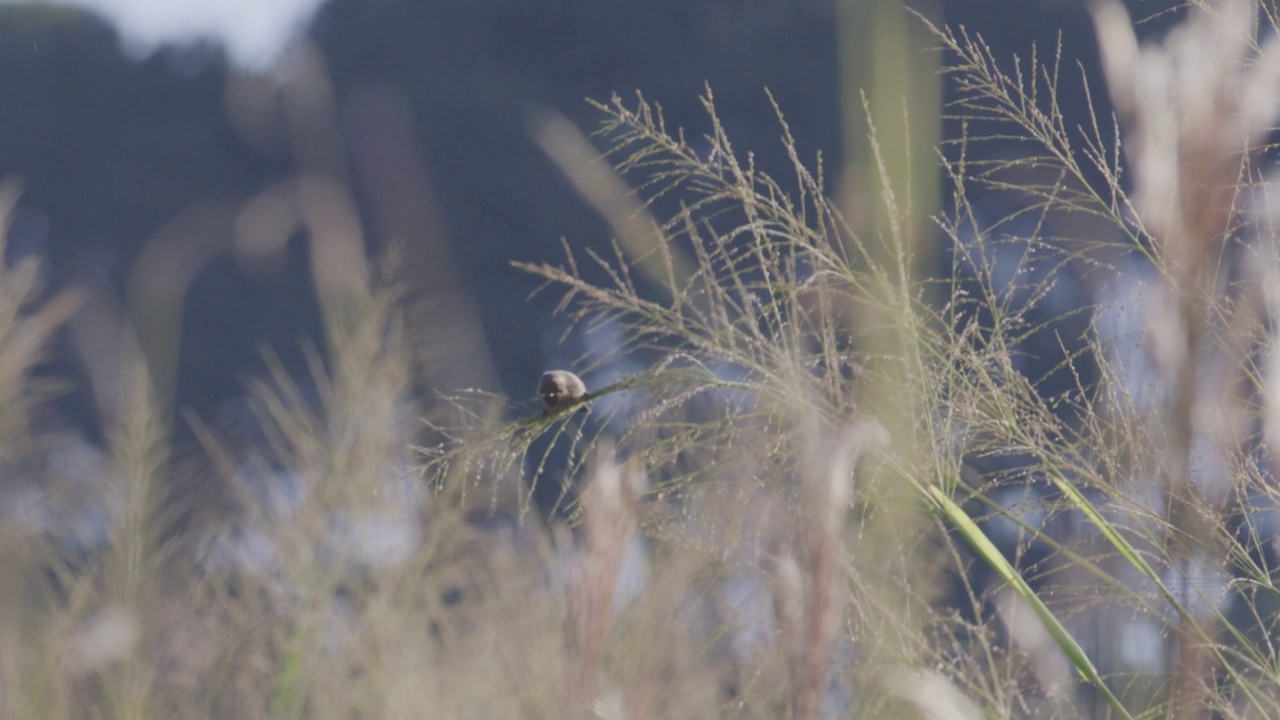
(988, 551)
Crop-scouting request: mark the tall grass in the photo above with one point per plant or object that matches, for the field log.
(784, 514)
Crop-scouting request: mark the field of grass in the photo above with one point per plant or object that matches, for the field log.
(868, 463)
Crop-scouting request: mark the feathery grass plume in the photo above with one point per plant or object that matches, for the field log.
(130, 572)
(27, 323)
(778, 270)
(608, 525)
(1193, 113)
(787, 585)
(827, 484)
(32, 633)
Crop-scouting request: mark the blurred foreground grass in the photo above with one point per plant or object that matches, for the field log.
(785, 513)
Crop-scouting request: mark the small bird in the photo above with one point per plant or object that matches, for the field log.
(559, 388)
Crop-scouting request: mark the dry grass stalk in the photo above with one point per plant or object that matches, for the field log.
(608, 527)
(808, 597)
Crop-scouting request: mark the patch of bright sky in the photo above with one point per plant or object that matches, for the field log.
(252, 31)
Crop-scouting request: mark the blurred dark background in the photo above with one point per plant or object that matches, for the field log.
(113, 145)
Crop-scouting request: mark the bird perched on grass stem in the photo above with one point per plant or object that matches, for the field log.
(561, 388)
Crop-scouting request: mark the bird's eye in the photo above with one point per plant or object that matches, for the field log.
(549, 396)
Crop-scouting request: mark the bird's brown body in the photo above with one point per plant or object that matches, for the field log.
(560, 388)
